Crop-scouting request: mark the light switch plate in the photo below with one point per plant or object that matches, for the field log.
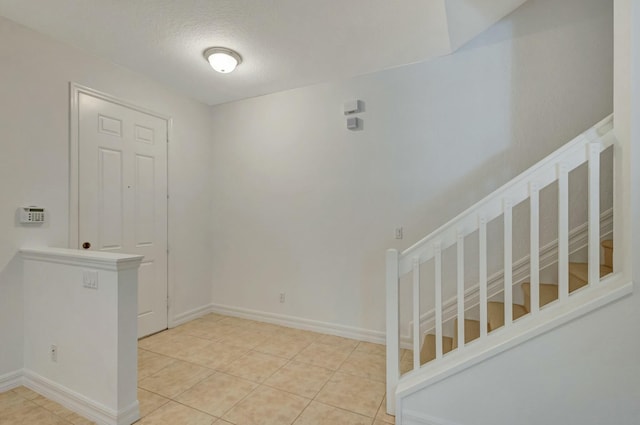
(90, 279)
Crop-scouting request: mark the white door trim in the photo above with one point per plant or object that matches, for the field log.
(74, 185)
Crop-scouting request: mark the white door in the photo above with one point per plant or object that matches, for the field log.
(122, 195)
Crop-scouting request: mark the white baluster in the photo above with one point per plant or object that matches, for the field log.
(534, 204)
(416, 313)
(594, 213)
(563, 232)
(508, 263)
(393, 329)
(438, 306)
(460, 275)
(482, 249)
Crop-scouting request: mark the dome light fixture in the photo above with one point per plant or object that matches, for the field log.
(222, 59)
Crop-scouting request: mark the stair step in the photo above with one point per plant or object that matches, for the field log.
(581, 271)
(548, 293)
(471, 331)
(428, 351)
(575, 283)
(578, 277)
(608, 253)
(495, 314)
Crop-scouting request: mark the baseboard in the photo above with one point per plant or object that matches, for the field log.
(78, 403)
(301, 323)
(129, 415)
(190, 315)
(10, 380)
(410, 417)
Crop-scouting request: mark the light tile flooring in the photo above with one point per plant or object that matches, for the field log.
(224, 370)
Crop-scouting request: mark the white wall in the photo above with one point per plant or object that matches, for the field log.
(34, 150)
(94, 330)
(634, 130)
(303, 206)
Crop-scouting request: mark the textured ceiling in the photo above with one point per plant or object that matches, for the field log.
(284, 43)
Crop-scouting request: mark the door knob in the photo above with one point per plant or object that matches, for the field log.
(86, 245)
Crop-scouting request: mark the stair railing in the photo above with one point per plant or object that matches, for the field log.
(556, 167)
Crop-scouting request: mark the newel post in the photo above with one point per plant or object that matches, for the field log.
(393, 329)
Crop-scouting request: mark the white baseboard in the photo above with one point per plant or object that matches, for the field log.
(190, 315)
(78, 403)
(410, 417)
(301, 323)
(10, 380)
(129, 415)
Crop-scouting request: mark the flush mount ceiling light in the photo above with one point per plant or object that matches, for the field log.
(222, 59)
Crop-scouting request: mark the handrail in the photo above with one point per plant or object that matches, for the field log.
(517, 190)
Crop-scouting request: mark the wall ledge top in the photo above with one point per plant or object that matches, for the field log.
(90, 259)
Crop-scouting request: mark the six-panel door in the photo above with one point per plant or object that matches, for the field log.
(123, 195)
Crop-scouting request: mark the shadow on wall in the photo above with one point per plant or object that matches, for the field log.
(537, 16)
(11, 326)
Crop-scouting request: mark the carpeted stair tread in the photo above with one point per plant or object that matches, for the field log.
(581, 271)
(548, 293)
(578, 277)
(428, 351)
(471, 331)
(495, 314)
(608, 253)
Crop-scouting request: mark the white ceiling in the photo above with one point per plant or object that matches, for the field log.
(284, 43)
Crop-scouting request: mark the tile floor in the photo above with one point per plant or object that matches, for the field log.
(224, 370)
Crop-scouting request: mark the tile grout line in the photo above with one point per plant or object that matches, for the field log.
(289, 360)
(264, 384)
(258, 384)
(36, 405)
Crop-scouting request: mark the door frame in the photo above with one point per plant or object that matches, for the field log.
(75, 90)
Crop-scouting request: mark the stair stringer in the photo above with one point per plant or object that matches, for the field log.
(581, 303)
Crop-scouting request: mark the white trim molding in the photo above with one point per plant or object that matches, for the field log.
(328, 328)
(411, 417)
(367, 335)
(10, 380)
(80, 404)
(188, 316)
(74, 257)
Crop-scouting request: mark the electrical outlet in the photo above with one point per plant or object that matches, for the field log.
(398, 232)
(53, 352)
(282, 297)
(90, 279)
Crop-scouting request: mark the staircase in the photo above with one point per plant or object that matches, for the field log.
(578, 278)
(482, 319)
